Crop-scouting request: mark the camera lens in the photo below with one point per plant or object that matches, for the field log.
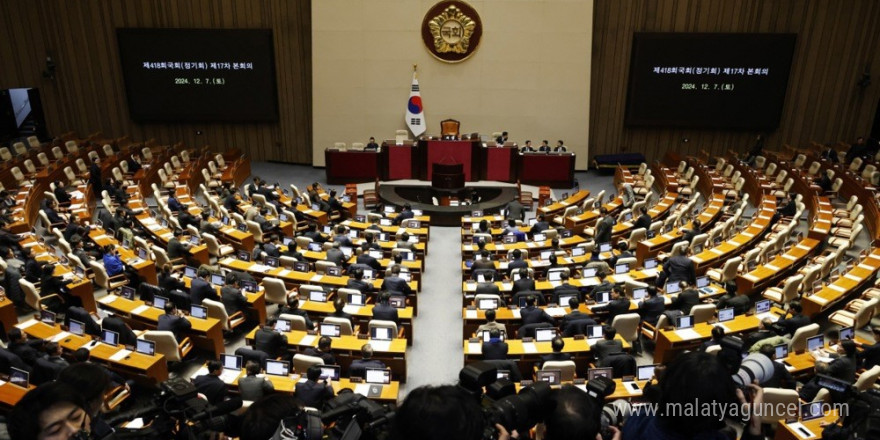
(755, 367)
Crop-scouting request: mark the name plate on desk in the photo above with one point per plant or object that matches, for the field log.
(140, 309)
(307, 340)
(381, 345)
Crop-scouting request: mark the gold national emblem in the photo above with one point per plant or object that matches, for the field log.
(451, 31)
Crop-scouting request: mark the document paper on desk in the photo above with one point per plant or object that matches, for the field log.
(475, 348)
(120, 355)
(529, 347)
(688, 334)
(59, 336)
(108, 299)
(381, 345)
(307, 340)
(27, 323)
(140, 309)
(801, 430)
(555, 311)
(470, 314)
(362, 388)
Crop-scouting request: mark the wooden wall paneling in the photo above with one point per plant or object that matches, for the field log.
(88, 93)
(835, 41)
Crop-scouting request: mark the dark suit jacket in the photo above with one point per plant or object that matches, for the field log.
(644, 221)
(516, 264)
(269, 342)
(575, 315)
(843, 368)
(555, 357)
(781, 378)
(489, 288)
(680, 268)
(176, 249)
(565, 289)
(481, 264)
(62, 195)
(516, 211)
(522, 284)
(212, 387)
(603, 229)
(313, 394)
(494, 350)
(174, 324)
(200, 289)
(233, 300)
(651, 309)
(116, 324)
(614, 308)
(870, 356)
(369, 260)
(407, 214)
(396, 284)
(534, 315)
(603, 348)
(789, 325)
(361, 285)
(358, 366)
(328, 358)
(385, 312)
(686, 300)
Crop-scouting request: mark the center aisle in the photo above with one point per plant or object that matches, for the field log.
(436, 355)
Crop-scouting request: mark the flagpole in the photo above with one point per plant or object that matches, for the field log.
(415, 70)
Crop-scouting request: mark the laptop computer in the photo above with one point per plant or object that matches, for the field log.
(277, 368)
(552, 377)
(485, 335)
(331, 330)
(703, 285)
(301, 266)
(595, 332)
(198, 311)
(146, 347)
(76, 327)
(249, 286)
(815, 342)
(640, 293)
(159, 302)
(604, 247)
(271, 261)
(282, 326)
(317, 295)
(127, 292)
(620, 269)
(593, 373)
(47, 317)
(381, 334)
(218, 280)
(555, 274)
(189, 272)
(330, 372)
(650, 263)
(645, 372)
(590, 272)
(377, 376)
(334, 271)
(397, 301)
(762, 306)
(110, 337)
(727, 314)
(673, 287)
(684, 322)
(578, 251)
(545, 334)
(781, 351)
(847, 333)
(811, 411)
(357, 299)
(539, 237)
(18, 377)
(565, 298)
(603, 297)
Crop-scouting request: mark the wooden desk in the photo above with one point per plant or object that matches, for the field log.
(10, 395)
(786, 432)
(650, 248)
(145, 369)
(146, 269)
(558, 207)
(206, 334)
(860, 275)
(80, 288)
(348, 348)
(712, 257)
(8, 316)
(767, 274)
(161, 235)
(361, 315)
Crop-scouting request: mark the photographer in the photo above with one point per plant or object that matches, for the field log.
(51, 411)
(311, 393)
(441, 413)
(574, 417)
(92, 383)
(692, 379)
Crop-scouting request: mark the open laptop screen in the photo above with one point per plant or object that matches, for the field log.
(377, 375)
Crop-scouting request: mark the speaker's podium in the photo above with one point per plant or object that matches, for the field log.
(447, 176)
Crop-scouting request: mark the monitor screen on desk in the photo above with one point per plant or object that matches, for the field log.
(593, 373)
(552, 377)
(762, 306)
(727, 314)
(110, 337)
(397, 301)
(781, 351)
(198, 312)
(555, 274)
(368, 274)
(377, 254)
(386, 222)
(357, 299)
(650, 263)
(603, 297)
(702, 282)
(696, 249)
(377, 375)
(145, 347)
(334, 271)
(189, 272)
(282, 326)
(640, 293)
(76, 327)
(243, 227)
(316, 247)
(487, 304)
(331, 330)
(486, 338)
(590, 272)
(539, 237)
(249, 286)
(847, 333)
(317, 295)
(684, 322)
(545, 255)
(330, 372)
(645, 372)
(47, 317)
(815, 342)
(595, 331)
(218, 280)
(127, 292)
(244, 255)
(673, 287)
(159, 302)
(565, 298)
(19, 377)
(811, 411)
(381, 333)
(301, 266)
(271, 261)
(604, 247)
(142, 253)
(545, 334)
(231, 362)
(277, 368)
(621, 268)
(578, 251)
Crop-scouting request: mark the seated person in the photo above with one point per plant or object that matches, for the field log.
(651, 307)
(491, 324)
(686, 299)
(384, 310)
(322, 351)
(396, 284)
(494, 348)
(292, 308)
(557, 344)
(606, 346)
(788, 325)
(312, 393)
(530, 314)
(251, 387)
(564, 289)
(174, 321)
(267, 340)
(781, 377)
(524, 283)
(358, 366)
(870, 354)
(619, 304)
(575, 315)
(210, 385)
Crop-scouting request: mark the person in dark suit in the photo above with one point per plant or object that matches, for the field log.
(173, 321)
(168, 281)
(292, 308)
(565, 289)
(680, 268)
(210, 385)
(385, 311)
(372, 145)
(870, 354)
(61, 194)
(200, 288)
(844, 367)
(483, 263)
(604, 227)
(515, 210)
(788, 325)
(651, 307)
(312, 232)
(367, 259)
(175, 248)
(339, 309)
(53, 351)
(824, 181)
(603, 286)
(322, 351)
(251, 387)
(619, 304)
(312, 393)
(606, 346)
(530, 314)
(574, 316)
(829, 153)
(28, 351)
(267, 340)
(405, 214)
(781, 377)
(404, 243)
(527, 148)
(560, 147)
(689, 234)
(174, 205)
(273, 247)
(524, 283)
(540, 226)
(789, 209)
(686, 300)
(623, 252)
(396, 284)
(335, 204)
(358, 366)
(95, 180)
(765, 330)
(118, 325)
(488, 286)
(356, 281)
(643, 220)
(545, 147)
(517, 262)
(134, 163)
(335, 255)
(557, 344)
(500, 140)
(52, 214)
(495, 348)
(718, 334)
(232, 297)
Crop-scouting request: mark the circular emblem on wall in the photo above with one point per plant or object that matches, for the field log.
(451, 31)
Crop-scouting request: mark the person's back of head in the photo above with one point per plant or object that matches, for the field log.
(694, 377)
(573, 303)
(14, 334)
(264, 415)
(768, 350)
(530, 301)
(718, 333)
(795, 307)
(324, 343)
(495, 333)
(384, 297)
(367, 351)
(610, 332)
(523, 272)
(313, 373)
(338, 304)
(81, 354)
(563, 276)
(438, 413)
(490, 315)
(557, 344)
(215, 367)
(652, 291)
(849, 348)
(574, 416)
(395, 270)
(517, 254)
(252, 368)
(203, 273)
